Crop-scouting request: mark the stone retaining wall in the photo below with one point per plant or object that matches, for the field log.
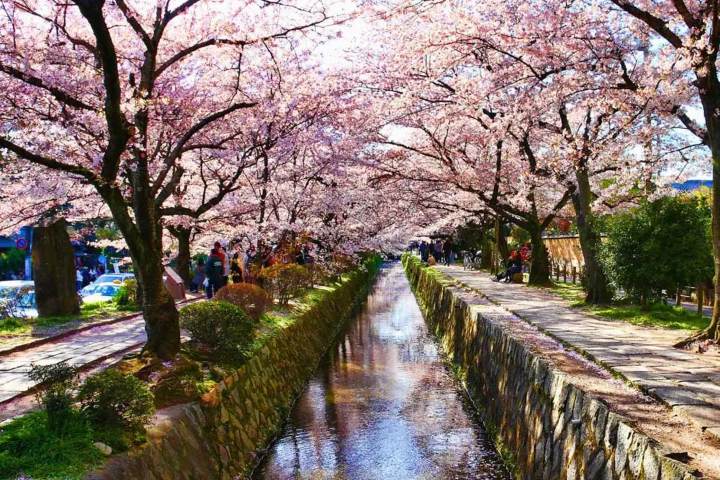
(222, 436)
(544, 426)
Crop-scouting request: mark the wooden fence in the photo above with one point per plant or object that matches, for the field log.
(566, 258)
(567, 263)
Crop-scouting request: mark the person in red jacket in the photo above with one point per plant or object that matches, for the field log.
(225, 261)
(515, 266)
(526, 252)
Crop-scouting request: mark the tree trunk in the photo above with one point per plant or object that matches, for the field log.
(540, 262)
(161, 315)
(182, 235)
(709, 88)
(486, 260)
(711, 103)
(713, 330)
(597, 291)
(145, 245)
(158, 307)
(700, 298)
(54, 271)
(500, 240)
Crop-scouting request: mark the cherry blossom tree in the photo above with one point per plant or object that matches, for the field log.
(680, 39)
(543, 85)
(113, 95)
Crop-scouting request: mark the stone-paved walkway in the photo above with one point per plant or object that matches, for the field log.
(88, 348)
(686, 381)
(79, 349)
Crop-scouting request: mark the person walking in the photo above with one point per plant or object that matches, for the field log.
(235, 268)
(78, 280)
(214, 270)
(438, 250)
(448, 252)
(248, 259)
(424, 251)
(225, 262)
(86, 279)
(198, 277)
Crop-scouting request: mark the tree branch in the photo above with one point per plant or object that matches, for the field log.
(687, 17)
(656, 23)
(116, 122)
(47, 162)
(135, 24)
(180, 145)
(690, 124)
(59, 94)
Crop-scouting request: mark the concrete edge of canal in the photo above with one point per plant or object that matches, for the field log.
(544, 426)
(223, 435)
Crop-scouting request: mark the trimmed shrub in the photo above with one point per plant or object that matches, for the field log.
(286, 281)
(251, 298)
(112, 398)
(659, 246)
(220, 328)
(127, 294)
(57, 383)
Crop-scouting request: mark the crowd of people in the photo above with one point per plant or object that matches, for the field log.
(438, 251)
(84, 276)
(10, 275)
(230, 263)
(444, 251)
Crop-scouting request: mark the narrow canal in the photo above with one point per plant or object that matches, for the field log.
(383, 405)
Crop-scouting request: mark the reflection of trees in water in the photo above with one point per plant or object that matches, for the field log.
(422, 352)
(331, 417)
(383, 378)
(448, 430)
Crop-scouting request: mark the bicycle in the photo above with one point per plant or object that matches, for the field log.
(471, 261)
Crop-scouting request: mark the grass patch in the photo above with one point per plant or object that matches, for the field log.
(270, 323)
(656, 315)
(282, 317)
(570, 292)
(28, 447)
(88, 312)
(12, 326)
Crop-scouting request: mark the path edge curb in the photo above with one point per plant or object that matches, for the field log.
(52, 338)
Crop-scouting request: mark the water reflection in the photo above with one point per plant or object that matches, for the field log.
(383, 406)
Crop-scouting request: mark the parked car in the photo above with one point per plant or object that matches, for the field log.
(113, 278)
(100, 292)
(27, 305)
(17, 298)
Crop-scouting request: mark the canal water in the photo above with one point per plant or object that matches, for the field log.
(383, 405)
